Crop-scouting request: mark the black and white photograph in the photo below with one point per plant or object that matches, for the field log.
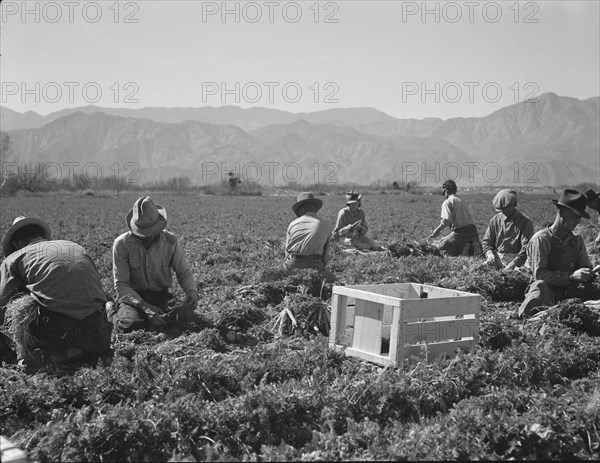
(303, 230)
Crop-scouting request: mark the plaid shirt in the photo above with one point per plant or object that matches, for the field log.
(59, 275)
(136, 269)
(553, 260)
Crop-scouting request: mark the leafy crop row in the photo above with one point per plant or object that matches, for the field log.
(233, 390)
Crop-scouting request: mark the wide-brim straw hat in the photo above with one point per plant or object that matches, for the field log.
(146, 219)
(18, 224)
(504, 199)
(573, 200)
(304, 198)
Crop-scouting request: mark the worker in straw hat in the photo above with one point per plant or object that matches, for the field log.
(51, 297)
(307, 237)
(456, 215)
(594, 203)
(559, 261)
(352, 225)
(143, 261)
(507, 235)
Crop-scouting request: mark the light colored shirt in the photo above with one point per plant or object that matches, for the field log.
(307, 235)
(136, 269)
(59, 275)
(346, 218)
(509, 235)
(456, 212)
(553, 260)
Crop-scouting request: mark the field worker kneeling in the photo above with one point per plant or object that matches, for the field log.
(594, 203)
(307, 237)
(51, 297)
(559, 260)
(352, 225)
(143, 260)
(456, 215)
(507, 235)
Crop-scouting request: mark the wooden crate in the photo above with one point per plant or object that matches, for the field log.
(388, 323)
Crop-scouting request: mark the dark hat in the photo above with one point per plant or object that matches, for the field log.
(449, 185)
(352, 197)
(146, 219)
(306, 197)
(18, 224)
(593, 200)
(573, 200)
(504, 199)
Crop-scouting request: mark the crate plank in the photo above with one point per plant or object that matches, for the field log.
(434, 292)
(433, 350)
(439, 330)
(365, 295)
(428, 308)
(338, 319)
(399, 290)
(375, 358)
(396, 328)
(367, 326)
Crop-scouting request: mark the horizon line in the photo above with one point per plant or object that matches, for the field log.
(100, 108)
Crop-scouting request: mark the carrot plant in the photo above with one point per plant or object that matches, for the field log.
(234, 388)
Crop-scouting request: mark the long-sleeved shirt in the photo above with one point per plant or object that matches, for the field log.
(136, 269)
(308, 235)
(553, 260)
(59, 275)
(509, 235)
(346, 218)
(456, 213)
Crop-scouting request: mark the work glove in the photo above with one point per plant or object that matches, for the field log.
(191, 300)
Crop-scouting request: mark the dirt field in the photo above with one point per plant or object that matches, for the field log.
(233, 391)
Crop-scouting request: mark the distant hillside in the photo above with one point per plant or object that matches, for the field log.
(553, 141)
(558, 138)
(245, 118)
(207, 151)
(10, 120)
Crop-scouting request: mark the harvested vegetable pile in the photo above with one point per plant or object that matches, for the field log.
(492, 284)
(301, 314)
(571, 313)
(413, 248)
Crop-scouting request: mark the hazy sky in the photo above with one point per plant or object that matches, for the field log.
(473, 57)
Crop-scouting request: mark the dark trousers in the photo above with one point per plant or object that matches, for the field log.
(57, 332)
(454, 243)
(541, 294)
(316, 262)
(126, 318)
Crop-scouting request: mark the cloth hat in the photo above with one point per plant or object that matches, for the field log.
(593, 200)
(504, 199)
(573, 200)
(146, 219)
(352, 197)
(304, 198)
(18, 224)
(449, 185)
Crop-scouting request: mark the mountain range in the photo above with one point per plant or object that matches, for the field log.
(552, 140)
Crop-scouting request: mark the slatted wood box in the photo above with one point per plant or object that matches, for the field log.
(388, 323)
